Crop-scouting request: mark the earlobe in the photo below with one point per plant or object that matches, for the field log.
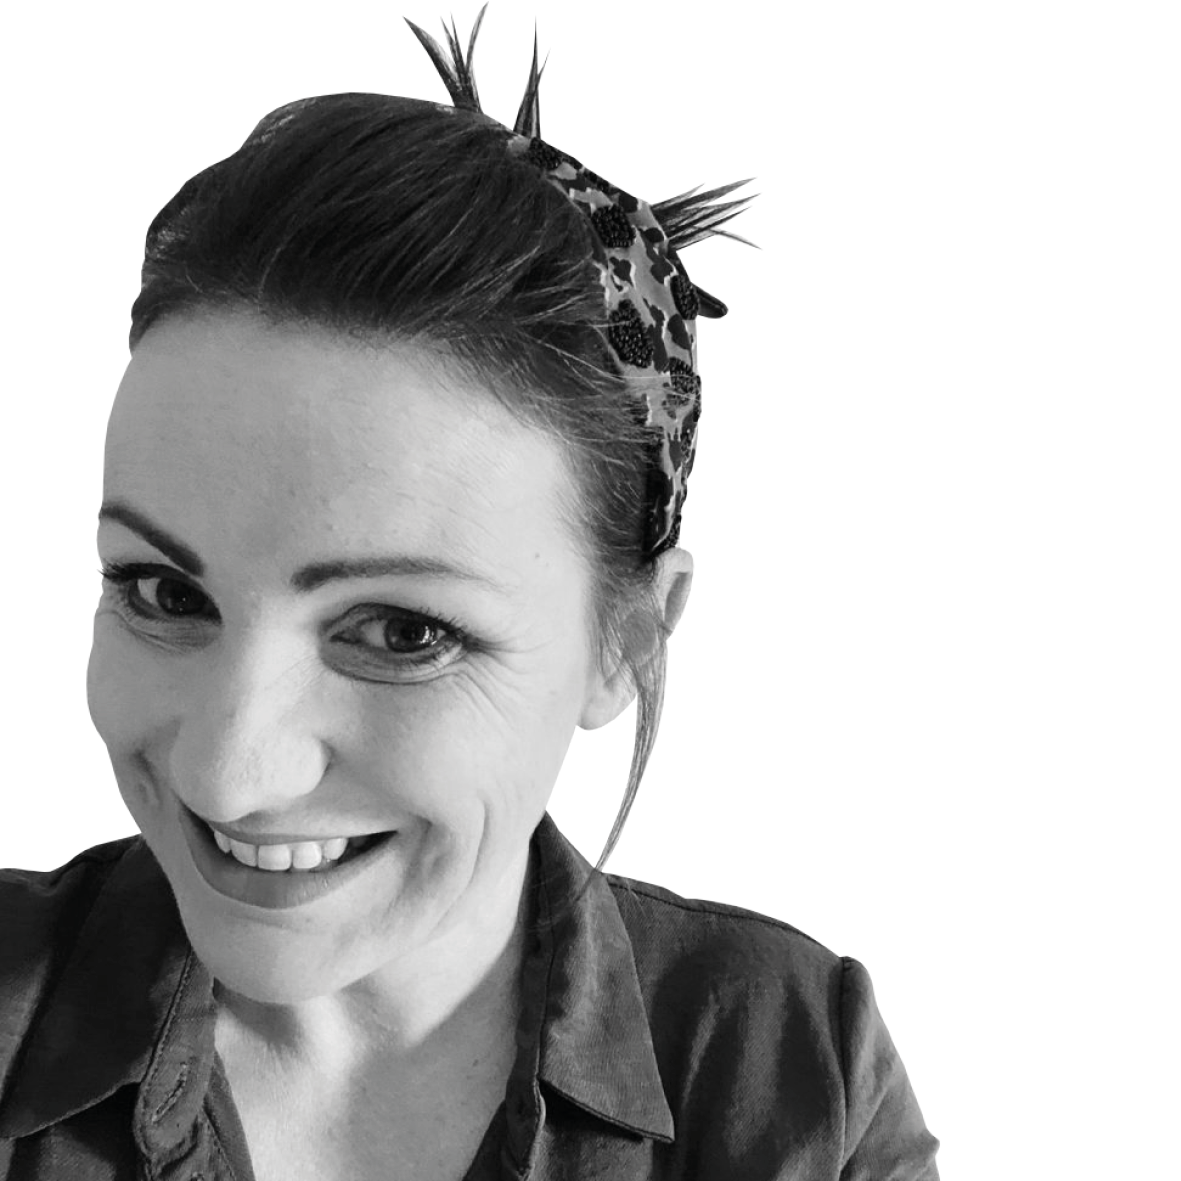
(643, 636)
(608, 701)
(676, 594)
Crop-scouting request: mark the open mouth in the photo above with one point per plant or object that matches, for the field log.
(359, 845)
(296, 858)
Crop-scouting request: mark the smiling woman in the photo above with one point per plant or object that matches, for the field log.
(376, 624)
(391, 506)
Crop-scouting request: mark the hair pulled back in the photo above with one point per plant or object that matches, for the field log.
(379, 217)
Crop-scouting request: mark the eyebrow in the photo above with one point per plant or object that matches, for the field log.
(306, 578)
(137, 522)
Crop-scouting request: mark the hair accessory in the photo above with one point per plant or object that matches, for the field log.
(651, 303)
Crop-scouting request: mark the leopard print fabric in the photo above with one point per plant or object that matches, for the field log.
(651, 309)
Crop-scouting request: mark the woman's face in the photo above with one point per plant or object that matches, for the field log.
(352, 607)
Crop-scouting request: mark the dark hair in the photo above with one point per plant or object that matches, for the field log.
(389, 218)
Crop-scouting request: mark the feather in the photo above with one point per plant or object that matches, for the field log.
(529, 113)
(709, 307)
(691, 217)
(454, 67)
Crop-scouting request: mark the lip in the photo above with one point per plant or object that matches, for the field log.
(276, 838)
(262, 888)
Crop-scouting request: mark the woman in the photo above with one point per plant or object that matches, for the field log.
(391, 504)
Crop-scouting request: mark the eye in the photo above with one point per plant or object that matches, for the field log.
(404, 633)
(170, 596)
(156, 593)
(384, 642)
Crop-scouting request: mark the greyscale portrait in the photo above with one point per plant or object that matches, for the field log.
(589, 592)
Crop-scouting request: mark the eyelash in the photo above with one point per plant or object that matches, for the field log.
(122, 577)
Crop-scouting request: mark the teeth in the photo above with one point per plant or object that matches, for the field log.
(247, 854)
(276, 857)
(279, 858)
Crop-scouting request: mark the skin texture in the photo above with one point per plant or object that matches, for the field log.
(264, 449)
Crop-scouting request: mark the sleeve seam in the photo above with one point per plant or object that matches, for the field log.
(846, 968)
(716, 910)
(84, 860)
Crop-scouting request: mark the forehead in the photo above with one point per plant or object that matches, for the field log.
(264, 442)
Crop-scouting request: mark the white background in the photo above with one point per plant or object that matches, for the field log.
(924, 704)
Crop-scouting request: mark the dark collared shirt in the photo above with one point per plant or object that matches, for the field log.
(662, 1038)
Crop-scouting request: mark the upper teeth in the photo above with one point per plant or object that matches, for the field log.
(301, 855)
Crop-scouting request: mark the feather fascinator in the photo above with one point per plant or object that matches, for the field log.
(651, 304)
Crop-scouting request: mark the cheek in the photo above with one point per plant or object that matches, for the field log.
(134, 695)
(475, 753)
(124, 706)
(114, 694)
(475, 743)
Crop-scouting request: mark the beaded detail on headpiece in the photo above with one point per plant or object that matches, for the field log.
(651, 303)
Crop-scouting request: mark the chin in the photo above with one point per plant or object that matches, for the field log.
(265, 984)
(274, 968)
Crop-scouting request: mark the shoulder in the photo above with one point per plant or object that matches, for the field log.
(749, 1012)
(722, 944)
(739, 988)
(42, 907)
(41, 913)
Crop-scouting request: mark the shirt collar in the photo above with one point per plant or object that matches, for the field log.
(595, 1040)
(101, 1025)
(101, 1028)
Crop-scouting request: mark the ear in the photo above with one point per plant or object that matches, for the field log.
(643, 632)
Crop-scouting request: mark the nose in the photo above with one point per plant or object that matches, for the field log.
(247, 738)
